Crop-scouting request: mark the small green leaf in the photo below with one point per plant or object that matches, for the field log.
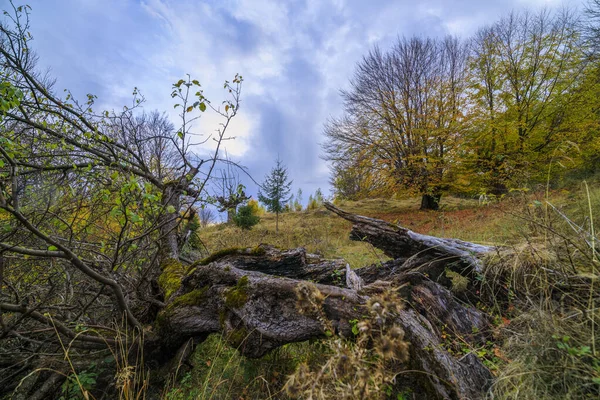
(170, 209)
(202, 107)
(52, 248)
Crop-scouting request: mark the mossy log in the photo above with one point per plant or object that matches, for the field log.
(250, 297)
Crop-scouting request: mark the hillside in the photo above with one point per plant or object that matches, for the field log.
(457, 256)
(520, 223)
(319, 231)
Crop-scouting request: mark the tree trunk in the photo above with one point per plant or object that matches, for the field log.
(250, 297)
(168, 223)
(498, 188)
(230, 215)
(430, 201)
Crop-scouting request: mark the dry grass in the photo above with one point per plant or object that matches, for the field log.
(364, 368)
(546, 289)
(324, 233)
(318, 231)
(550, 357)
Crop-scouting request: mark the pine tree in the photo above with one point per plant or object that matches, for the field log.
(276, 189)
(246, 217)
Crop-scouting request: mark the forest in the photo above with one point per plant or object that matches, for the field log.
(456, 258)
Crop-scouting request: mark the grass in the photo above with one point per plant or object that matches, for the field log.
(318, 231)
(220, 372)
(324, 233)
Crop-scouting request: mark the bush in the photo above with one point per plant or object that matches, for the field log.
(257, 209)
(246, 217)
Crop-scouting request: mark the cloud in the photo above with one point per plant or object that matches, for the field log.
(294, 55)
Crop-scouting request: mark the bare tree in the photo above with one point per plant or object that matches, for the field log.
(404, 115)
(230, 192)
(207, 216)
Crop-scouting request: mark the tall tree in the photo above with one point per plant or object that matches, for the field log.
(523, 70)
(403, 117)
(275, 190)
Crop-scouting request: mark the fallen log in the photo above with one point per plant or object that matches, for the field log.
(250, 297)
(399, 242)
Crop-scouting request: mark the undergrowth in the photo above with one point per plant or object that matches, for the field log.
(541, 286)
(220, 372)
(547, 291)
(364, 368)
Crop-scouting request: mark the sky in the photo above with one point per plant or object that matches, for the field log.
(295, 57)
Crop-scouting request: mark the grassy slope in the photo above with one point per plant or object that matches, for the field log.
(321, 232)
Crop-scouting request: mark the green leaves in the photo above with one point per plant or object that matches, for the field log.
(184, 94)
(10, 97)
(52, 248)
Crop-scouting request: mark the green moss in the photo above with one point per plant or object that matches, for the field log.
(237, 296)
(170, 278)
(160, 320)
(195, 297)
(258, 251)
(237, 337)
(222, 316)
(219, 254)
(459, 283)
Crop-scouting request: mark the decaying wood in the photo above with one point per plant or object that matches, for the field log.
(250, 297)
(251, 309)
(399, 242)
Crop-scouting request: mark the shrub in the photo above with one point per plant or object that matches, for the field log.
(245, 217)
(257, 209)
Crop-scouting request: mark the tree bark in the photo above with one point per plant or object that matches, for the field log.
(171, 201)
(230, 214)
(399, 242)
(430, 201)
